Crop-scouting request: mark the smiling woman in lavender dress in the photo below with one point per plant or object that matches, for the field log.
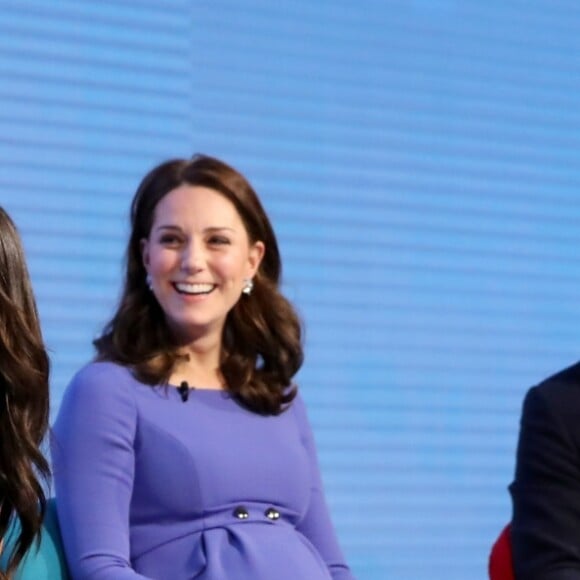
(184, 451)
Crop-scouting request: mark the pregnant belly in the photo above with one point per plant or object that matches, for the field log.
(245, 551)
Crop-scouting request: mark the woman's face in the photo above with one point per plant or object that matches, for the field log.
(198, 255)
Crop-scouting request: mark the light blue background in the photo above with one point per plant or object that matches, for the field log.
(419, 160)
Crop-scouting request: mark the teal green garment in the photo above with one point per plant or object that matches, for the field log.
(45, 563)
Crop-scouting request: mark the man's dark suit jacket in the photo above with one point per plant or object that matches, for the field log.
(546, 491)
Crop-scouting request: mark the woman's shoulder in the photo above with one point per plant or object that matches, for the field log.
(44, 561)
(103, 373)
(102, 380)
(103, 370)
(299, 409)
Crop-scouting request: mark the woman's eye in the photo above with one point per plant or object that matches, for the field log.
(218, 240)
(168, 239)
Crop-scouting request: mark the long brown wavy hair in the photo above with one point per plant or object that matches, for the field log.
(24, 399)
(261, 343)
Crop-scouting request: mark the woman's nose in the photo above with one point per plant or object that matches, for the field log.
(192, 258)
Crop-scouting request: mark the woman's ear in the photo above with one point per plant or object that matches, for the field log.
(257, 251)
(145, 253)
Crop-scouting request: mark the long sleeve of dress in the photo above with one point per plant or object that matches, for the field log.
(316, 524)
(93, 465)
(546, 490)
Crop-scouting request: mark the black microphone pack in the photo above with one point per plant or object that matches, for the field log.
(184, 391)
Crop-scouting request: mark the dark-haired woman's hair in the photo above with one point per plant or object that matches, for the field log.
(262, 347)
(24, 399)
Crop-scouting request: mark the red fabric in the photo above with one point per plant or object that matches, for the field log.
(500, 558)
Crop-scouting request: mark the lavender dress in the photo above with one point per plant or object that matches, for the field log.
(149, 486)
